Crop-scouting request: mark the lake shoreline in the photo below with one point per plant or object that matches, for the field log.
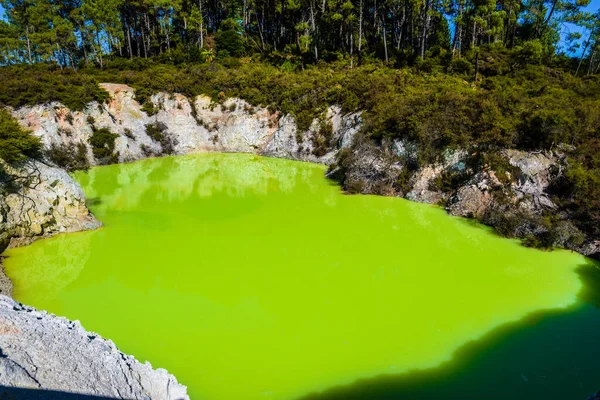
(199, 176)
(512, 198)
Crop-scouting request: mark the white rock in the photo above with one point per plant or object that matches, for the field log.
(45, 352)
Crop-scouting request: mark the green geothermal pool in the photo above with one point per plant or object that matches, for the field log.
(251, 278)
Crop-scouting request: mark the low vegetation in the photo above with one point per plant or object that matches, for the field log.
(71, 157)
(16, 144)
(17, 148)
(156, 132)
(103, 146)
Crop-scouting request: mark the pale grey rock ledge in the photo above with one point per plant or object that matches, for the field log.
(41, 351)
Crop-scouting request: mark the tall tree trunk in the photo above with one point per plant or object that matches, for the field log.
(144, 43)
(85, 56)
(384, 40)
(426, 20)
(549, 16)
(360, 23)
(477, 67)
(28, 44)
(507, 30)
(401, 26)
(314, 29)
(592, 56)
(351, 48)
(129, 41)
(587, 43)
(260, 31)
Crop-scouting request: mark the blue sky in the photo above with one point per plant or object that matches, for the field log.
(570, 28)
(566, 29)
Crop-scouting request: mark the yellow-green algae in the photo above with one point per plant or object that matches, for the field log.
(253, 278)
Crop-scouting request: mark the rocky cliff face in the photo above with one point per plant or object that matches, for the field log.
(45, 352)
(188, 126)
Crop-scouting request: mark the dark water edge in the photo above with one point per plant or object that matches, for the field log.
(547, 355)
(12, 393)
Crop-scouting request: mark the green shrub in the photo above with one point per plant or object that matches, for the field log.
(531, 52)
(462, 66)
(71, 157)
(16, 144)
(149, 108)
(157, 132)
(322, 139)
(22, 85)
(229, 40)
(103, 145)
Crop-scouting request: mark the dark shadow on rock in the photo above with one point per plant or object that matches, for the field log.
(546, 355)
(10, 393)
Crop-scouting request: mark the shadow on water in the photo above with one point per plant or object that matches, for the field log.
(546, 355)
(94, 202)
(10, 393)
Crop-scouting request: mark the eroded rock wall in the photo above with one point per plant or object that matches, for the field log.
(42, 200)
(191, 125)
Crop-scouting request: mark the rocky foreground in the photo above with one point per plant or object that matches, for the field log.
(44, 353)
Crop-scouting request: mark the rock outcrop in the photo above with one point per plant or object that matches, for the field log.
(39, 201)
(42, 201)
(44, 352)
(189, 125)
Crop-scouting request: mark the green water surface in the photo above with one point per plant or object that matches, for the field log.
(252, 278)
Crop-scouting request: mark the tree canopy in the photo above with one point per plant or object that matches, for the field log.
(71, 32)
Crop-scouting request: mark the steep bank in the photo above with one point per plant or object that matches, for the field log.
(42, 352)
(174, 124)
(510, 190)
